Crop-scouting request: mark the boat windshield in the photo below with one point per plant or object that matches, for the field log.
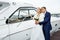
(22, 14)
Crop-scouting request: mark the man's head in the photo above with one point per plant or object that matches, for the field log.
(43, 9)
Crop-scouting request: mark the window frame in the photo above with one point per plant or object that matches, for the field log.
(19, 12)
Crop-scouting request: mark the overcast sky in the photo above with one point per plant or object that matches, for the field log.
(52, 6)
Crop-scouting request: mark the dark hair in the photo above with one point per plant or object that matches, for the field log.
(44, 7)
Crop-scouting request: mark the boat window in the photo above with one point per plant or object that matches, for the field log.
(14, 17)
(27, 14)
(32, 12)
(21, 15)
(56, 15)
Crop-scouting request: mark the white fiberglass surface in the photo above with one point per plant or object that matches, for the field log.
(3, 5)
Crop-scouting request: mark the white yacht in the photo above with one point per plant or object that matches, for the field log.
(16, 21)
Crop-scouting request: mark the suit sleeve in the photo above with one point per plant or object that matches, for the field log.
(46, 19)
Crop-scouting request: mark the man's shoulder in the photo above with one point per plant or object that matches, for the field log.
(48, 13)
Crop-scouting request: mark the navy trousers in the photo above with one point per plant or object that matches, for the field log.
(46, 34)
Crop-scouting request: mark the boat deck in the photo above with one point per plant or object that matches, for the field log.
(56, 36)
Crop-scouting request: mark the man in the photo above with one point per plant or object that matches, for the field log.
(46, 23)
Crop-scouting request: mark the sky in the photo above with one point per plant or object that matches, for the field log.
(52, 6)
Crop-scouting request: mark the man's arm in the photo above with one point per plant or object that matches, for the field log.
(46, 19)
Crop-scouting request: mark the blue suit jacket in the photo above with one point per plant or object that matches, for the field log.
(46, 23)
